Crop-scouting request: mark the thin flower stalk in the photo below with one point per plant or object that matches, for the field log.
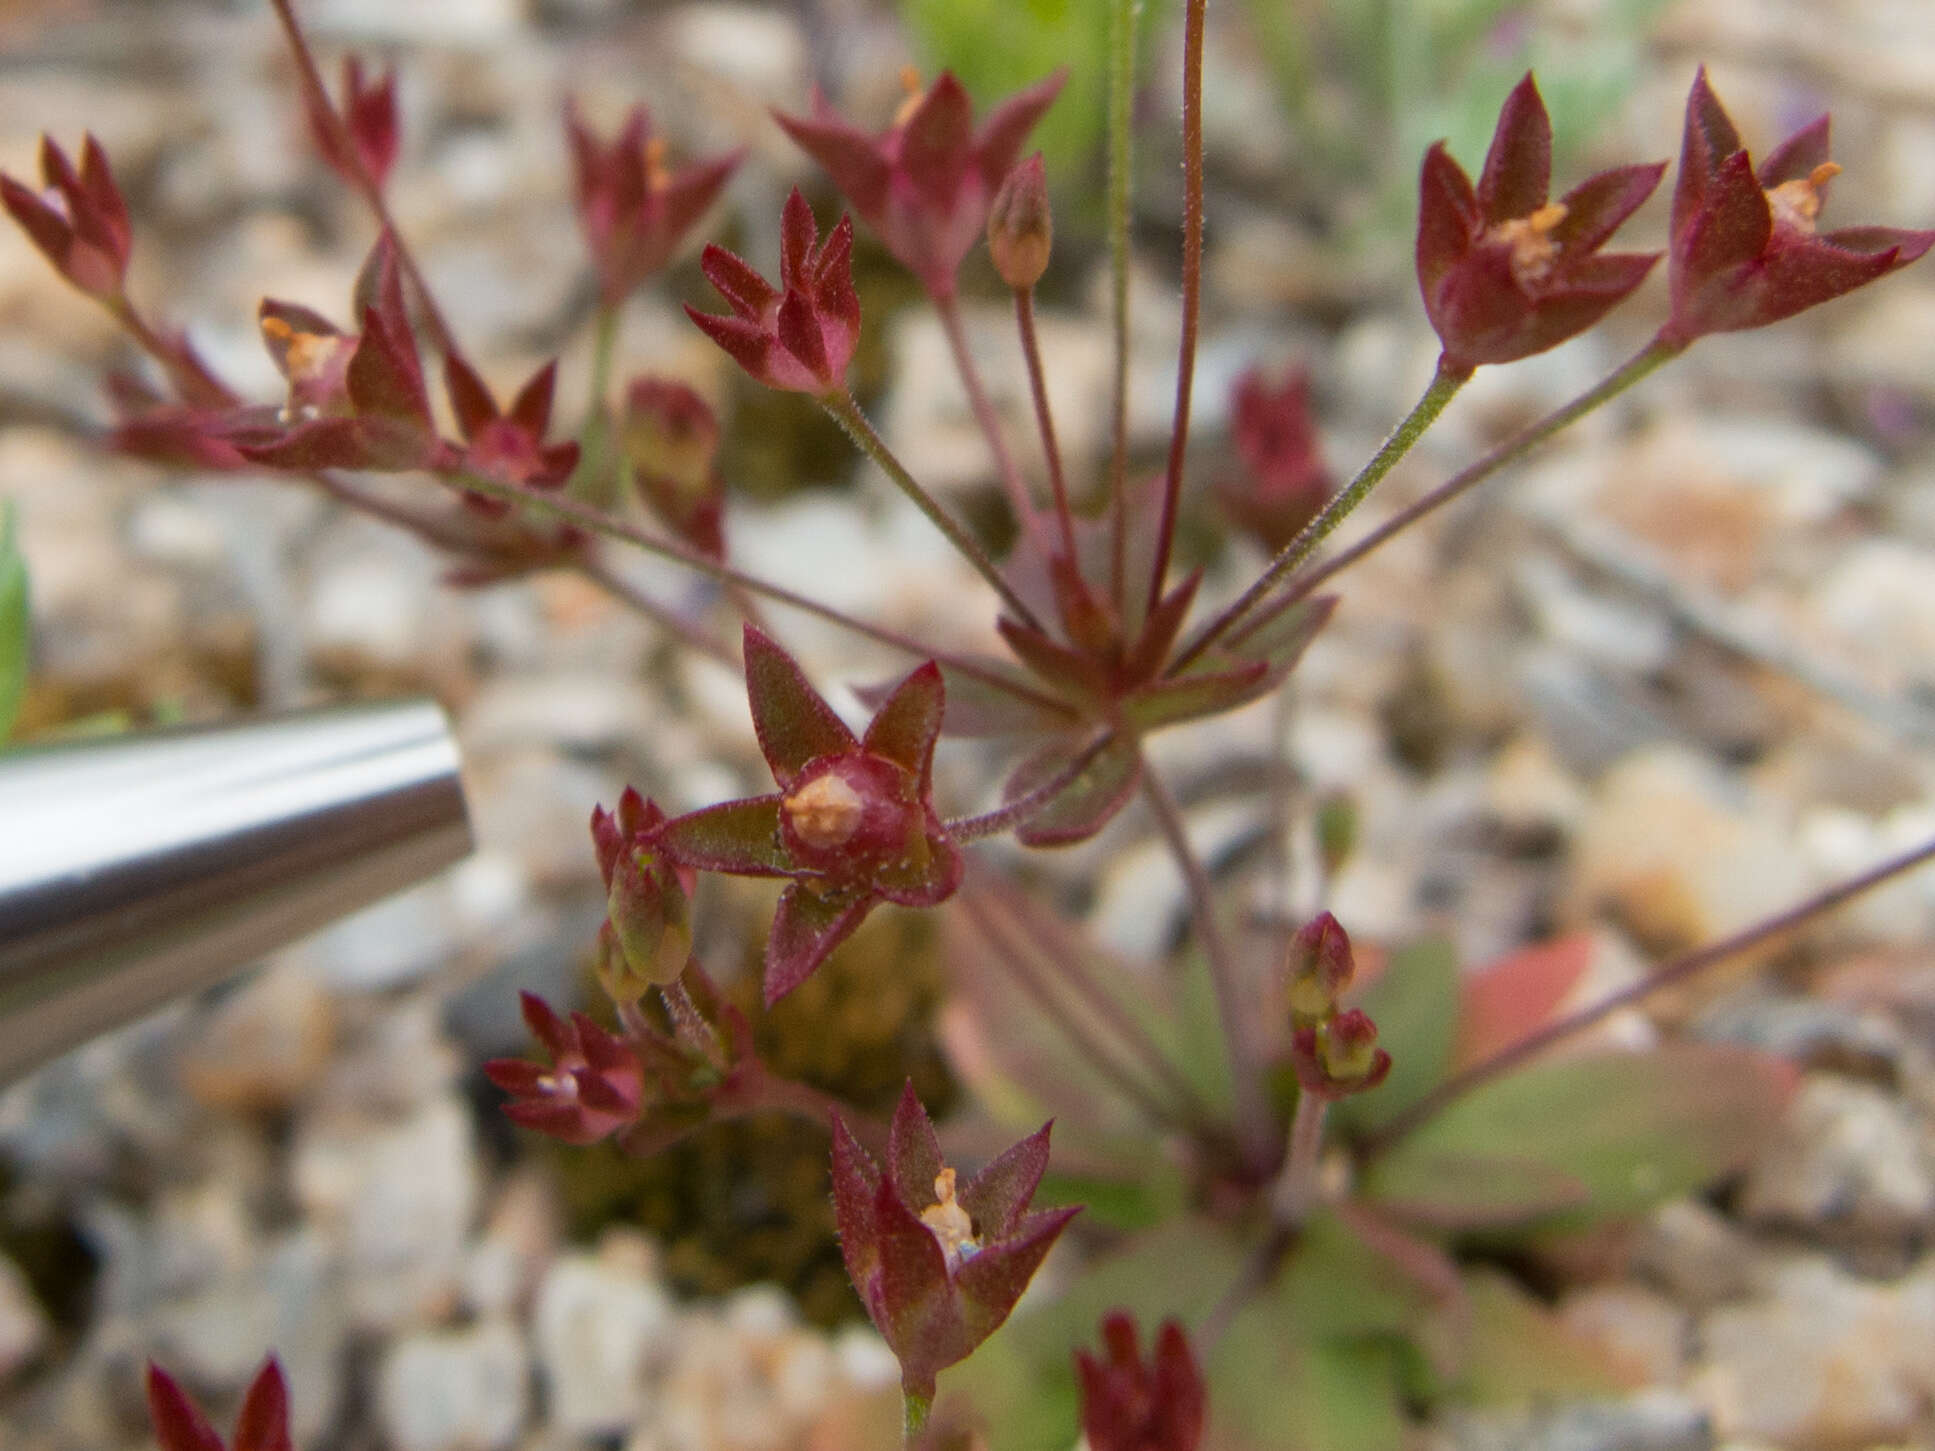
(1252, 1115)
(1295, 1194)
(1044, 418)
(1445, 384)
(1121, 180)
(1016, 812)
(949, 308)
(1680, 969)
(844, 411)
(1192, 290)
(1646, 361)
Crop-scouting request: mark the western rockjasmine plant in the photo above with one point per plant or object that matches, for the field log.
(1341, 1137)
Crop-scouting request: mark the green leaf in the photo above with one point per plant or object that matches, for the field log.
(1087, 803)
(1635, 1129)
(1191, 696)
(1517, 1350)
(1415, 1006)
(14, 623)
(1281, 1390)
(1471, 1191)
(1337, 1285)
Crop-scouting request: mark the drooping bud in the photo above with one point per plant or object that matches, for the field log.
(670, 437)
(1021, 228)
(1321, 965)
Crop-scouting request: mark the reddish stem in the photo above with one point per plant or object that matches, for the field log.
(1192, 289)
(1018, 811)
(332, 121)
(1681, 968)
(950, 310)
(1044, 419)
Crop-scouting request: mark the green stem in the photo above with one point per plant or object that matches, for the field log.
(846, 412)
(916, 1406)
(1654, 355)
(604, 524)
(1122, 18)
(1252, 1114)
(1687, 965)
(1296, 1188)
(1192, 290)
(949, 309)
(1445, 384)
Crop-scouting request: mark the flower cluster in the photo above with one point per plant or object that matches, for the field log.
(1332, 1048)
(1132, 1405)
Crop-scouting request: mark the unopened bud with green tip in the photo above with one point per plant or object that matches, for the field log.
(1021, 228)
(1339, 1057)
(649, 902)
(1321, 966)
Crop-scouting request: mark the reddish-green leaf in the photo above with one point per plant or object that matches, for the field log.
(1634, 1129)
(1471, 1191)
(1509, 999)
(1088, 802)
(909, 721)
(1194, 695)
(741, 837)
(806, 927)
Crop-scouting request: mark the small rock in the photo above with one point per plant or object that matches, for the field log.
(23, 1324)
(1638, 1332)
(455, 1390)
(1877, 599)
(1697, 1254)
(1822, 1360)
(263, 1046)
(1811, 1031)
(1846, 1160)
(599, 1324)
(1653, 1420)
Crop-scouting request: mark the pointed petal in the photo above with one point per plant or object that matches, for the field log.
(44, 226)
(794, 723)
(518, 1077)
(798, 330)
(1447, 216)
(1518, 168)
(470, 400)
(531, 409)
(179, 1423)
(746, 343)
(908, 723)
(749, 294)
(1596, 206)
(913, 1152)
(849, 156)
(1708, 140)
(109, 208)
(997, 1197)
(913, 1305)
(991, 1282)
(740, 838)
(597, 1094)
(1797, 156)
(1008, 124)
(805, 929)
(936, 141)
(798, 233)
(1730, 229)
(327, 443)
(856, 1180)
(385, 376)
(545, 1025)
(684, 199)
(263, 1424)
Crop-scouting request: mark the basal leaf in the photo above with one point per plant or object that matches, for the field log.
(1470, 1191)
(1088, 802)
(1193, 695)
(1634, 1129)
(1517, 1350)
(1279, 1389)
(1511, 998)
(14, 623)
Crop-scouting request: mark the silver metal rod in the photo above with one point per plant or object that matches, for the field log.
(136, 869)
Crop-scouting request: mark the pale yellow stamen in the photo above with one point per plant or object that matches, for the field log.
(1530, 240)
(949, 1222)
(304, 356)
(1797, 203)
(910, 82)
(656, 176)
(826, 811)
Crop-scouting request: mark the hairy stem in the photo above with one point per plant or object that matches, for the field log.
(1122, 27)
(332, 121)
(1652, 356)
(844, 411)
(949, 308)
(1252, 1115)
(1445, 383)
(1681, 968)
(1044, 419)
(1018, 811)
(915, 1406)
(1192, 289)
(604, 524)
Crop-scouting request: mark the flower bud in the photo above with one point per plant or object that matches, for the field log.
(1321, 965)
(1021, 228)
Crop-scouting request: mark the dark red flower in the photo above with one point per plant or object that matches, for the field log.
(633, 212)
(1507, 273)
(925, 183)
(593, 1088)
(1339, 1056)
(670, 438)
(1284, 483)
(647, 899)
(1745, 251)
(79, 220)
(853, 823)
(1130, 1406)
(938, 1264)
(368, 114)
(262, 1424)
(507, 445)
(356, 400)
(800, 335)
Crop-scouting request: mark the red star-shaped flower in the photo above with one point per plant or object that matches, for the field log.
(593, 1088)
(853, 822)
(938, 1264)
(79, 220)
(925, 183)
(1507, 273)
(1745, 251)
(262, 1424)
(1131, 1406)
(507, 444)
